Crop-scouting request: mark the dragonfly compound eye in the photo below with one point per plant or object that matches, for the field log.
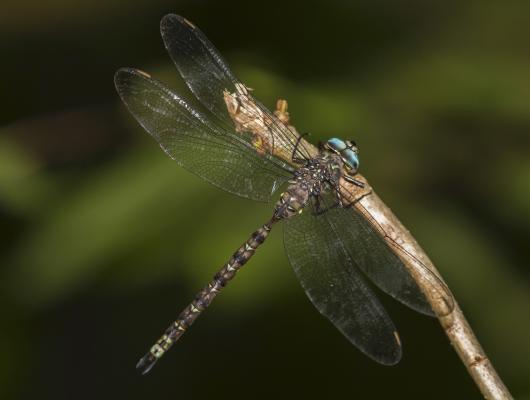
(351, 160)
(337, 145)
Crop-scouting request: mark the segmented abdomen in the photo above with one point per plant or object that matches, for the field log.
(204, 298)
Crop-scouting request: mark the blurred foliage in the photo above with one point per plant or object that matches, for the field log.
(104, 239)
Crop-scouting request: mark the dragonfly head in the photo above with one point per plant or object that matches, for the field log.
(348, 152)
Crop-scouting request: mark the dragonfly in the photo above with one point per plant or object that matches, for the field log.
(240, 146)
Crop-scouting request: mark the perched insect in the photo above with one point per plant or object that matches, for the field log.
(245, 149)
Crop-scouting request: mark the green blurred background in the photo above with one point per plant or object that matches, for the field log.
(105, 239)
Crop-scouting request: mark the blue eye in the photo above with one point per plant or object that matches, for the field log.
(337, 144)
(351, 158)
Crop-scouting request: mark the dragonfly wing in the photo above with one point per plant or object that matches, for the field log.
(209, 78)
(199, 64)
(195, 142)
(335, 286)
(375, 254)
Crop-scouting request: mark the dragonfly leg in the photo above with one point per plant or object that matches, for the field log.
(353, 180)
(204, 298)
(295, 159)
(318, 210)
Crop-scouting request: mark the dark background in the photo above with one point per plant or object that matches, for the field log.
(104, 239)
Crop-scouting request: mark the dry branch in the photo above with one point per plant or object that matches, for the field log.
(248, 117)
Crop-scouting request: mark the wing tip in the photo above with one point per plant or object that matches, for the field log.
(390, 360)
(127, 72)
(385, 354)
(394, 357)
(119, 78)
(123, 76)
(171, 20)
(131, 71)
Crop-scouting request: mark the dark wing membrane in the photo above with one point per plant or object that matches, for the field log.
(196, 143)
(208, 76)
(375, 254)
(332, 282)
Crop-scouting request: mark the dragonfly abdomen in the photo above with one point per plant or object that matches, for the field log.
(241, 256)
(203, 299)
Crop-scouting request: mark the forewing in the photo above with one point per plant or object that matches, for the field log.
(210, 79)
(335, 286)
(195, 142)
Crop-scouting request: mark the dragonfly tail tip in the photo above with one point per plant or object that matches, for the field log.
(146, 363)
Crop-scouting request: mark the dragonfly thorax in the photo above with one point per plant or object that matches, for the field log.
(317, 176)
